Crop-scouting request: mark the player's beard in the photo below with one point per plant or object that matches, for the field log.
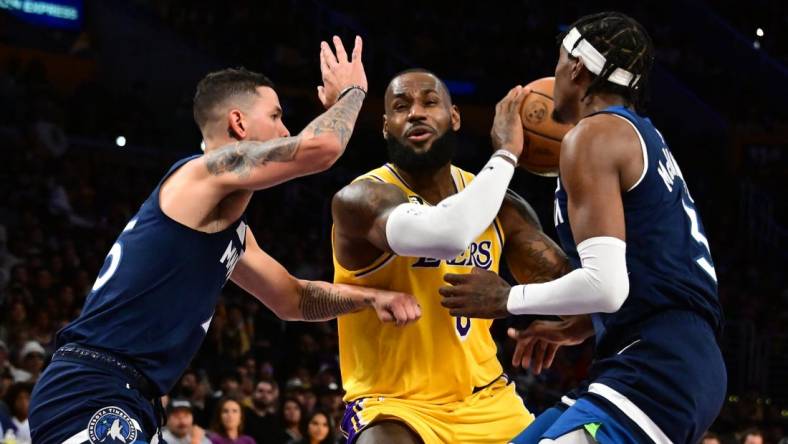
(439, 154)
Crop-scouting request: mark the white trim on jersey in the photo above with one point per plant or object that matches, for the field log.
(642, 147)
(569, 402)
(634, 413)
(627, 347)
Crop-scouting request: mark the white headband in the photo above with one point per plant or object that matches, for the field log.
(593, 60)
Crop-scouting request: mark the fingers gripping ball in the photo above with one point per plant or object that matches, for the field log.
(543, 135)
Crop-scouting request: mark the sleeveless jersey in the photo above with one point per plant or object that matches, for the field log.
(439, 358)
(668, 257)
(155, 295)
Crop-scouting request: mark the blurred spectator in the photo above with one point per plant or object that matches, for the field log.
(292, 415)
(236, 336)
(319, 429)
(752, 436)
(192, 388)
(32, 357)
(7, 261)
(262, 420)
(227, 426)
(710, 438)
(18, 401)
(329, 398)
(298, 387)
(41, 330)
(180, 427)
(16, 322)
(229, 387)
(6, 369)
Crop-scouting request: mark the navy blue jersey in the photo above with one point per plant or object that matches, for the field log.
(155, 295)
(668, 257)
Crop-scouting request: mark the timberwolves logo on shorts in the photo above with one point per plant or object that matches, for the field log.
(111, 425)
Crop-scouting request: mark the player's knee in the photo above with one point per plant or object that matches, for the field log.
(388, 432)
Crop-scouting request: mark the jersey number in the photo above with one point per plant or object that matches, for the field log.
(463, 326)
(113, 258)
(704, 260)
(115, 253)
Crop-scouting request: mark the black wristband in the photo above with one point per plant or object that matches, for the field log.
(348, 89)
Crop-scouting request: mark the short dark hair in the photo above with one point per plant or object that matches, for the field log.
(626, 45)
(14, 392)
(269, 381)
(217, 86)
(416, 69)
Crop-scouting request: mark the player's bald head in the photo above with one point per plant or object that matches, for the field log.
(416, 81)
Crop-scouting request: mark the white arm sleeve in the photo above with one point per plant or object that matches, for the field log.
(445, 230)
(600, 285)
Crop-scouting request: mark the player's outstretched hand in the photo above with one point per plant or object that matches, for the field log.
(507, 131)
(479, 294)
(538, 344)
(393, 306)
(338, 72)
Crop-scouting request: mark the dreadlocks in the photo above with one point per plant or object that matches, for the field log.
(626, 45)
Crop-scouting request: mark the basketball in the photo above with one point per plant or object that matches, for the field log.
(543, 135)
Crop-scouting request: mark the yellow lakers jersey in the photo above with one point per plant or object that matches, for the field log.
(439, 358)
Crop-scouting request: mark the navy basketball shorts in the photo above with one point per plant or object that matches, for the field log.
(75, 402)
(666, 386)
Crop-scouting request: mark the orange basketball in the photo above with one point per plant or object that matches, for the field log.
(543, 135)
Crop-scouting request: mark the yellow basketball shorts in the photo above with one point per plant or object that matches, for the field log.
(494, 414)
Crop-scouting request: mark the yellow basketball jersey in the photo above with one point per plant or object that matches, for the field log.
(439, 358)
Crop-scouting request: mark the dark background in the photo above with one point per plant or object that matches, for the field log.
(718, 94)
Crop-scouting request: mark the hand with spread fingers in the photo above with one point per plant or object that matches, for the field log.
(537, 345)
(478, 294)
(339, 73)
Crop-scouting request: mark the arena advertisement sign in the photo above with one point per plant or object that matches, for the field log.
(64, 14)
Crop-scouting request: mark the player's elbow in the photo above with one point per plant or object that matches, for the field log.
(284, 302)
(288, 311)
(614, 295)
(432, 232)
(605, 269)
(447, 236)
(447, 245)
(288, 315)
(447, 252)
(434, 244)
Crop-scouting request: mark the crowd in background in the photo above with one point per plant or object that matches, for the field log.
(65, 198)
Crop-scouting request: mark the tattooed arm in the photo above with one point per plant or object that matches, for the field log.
(254, 165)
(531, 255)
(246, 165)
(294, 299)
